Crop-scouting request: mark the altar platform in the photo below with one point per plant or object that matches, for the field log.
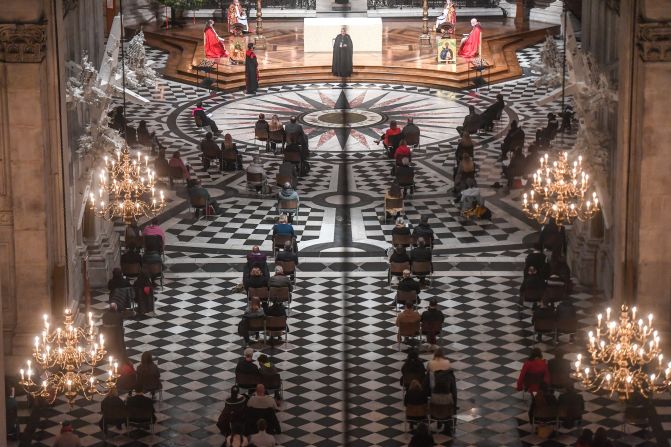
(402, 59)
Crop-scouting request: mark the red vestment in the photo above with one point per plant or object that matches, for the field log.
(471, 46)
(214, 49)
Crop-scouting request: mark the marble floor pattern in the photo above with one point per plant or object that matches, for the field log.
(341, 365)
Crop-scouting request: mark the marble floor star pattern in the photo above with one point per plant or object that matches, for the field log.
(341, 364)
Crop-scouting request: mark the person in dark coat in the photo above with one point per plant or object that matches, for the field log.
(343, 51)
(113, 411)
(413, 368)
(144, 294)
(148, 375)
(422, 437)
(232, 417)
(112, 328)
(514, 139)
(492, 113)
(251, 70)
(140, 408)
(407, 284)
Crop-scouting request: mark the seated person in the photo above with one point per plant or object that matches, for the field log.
(560, 369)
(413, 367)
(465, 176)
(277, 309)
(407, 284)
(195, 191)
(405, 174)
(256, 279)
(256, 167)
(228, 147)
(199, 114)
(287, 193)
(408, 316)
(176, 162)
(471, 122)
(464, 146)
(143, 134)
(288, 169)
(390, 138)
(421, 253)
(542, 314)
(423, 230)
(283, 227)
(573, 404)
(543, 407)
(514, 139)
(288, 254)
(538, 260)
(399, 255)
(400, 228)
(532, 281)
(209, 150)
(260, 400)
(432, 315)
(262, 438)
(121, 291)
(232, 416)
(257, 257)
(161, 165)
(113, 411)
(295, 132)
(416, 395)
(253, 310)
(401, 152)
(247, 366)
(444, 392)
(131, 257)
(553, 237)
(534, 372)
(545, 135)
(410, 132)
(492, 113)
(131, 135)
(148, 374)
(140, 407)
(280, 279)
(515, 168)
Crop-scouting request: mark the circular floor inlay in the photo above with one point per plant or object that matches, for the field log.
(342, 118)
(343, 200)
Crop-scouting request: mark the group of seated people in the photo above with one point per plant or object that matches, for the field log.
(429, 390)
(290, 137)
(133, 136)
(542, 380)
(397, 141)
(474, 121)
(228, 156)
(420, 239)
(173, 169)
(138, 408)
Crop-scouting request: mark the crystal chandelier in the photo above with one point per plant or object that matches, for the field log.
(625, 357)
(126, 189)
(558, 191)
(66, 360)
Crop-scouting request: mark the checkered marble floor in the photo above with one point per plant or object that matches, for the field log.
(341, 365)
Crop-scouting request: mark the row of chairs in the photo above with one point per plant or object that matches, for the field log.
(280, 294)
(552, 291)
(417, 268)
(269, 326)
(414, 331)
(430, 413)
(248, 382)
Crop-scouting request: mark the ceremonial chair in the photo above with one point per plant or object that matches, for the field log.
(396, 269)
(279, 240)
(403, 240)
(392, 206)
(405, 296)
(289, 268)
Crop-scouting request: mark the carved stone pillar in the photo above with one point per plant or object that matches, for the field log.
(641, 182)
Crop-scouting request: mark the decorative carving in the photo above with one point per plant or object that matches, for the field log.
(5, 218)
(69, 5)
(654, 41)
(23, 42)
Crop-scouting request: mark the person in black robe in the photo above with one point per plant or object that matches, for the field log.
(251, 70)
(342, 54)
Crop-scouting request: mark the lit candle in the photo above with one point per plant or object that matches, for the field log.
(44, 385)
(608, 313)
(633, 313)
(69, 383)
(650, 320)
(661, 356)
(22, 376)
(598, 318)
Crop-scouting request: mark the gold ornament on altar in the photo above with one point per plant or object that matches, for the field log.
(126, 189)
(558, 192)
(624, 357)
(66, 360)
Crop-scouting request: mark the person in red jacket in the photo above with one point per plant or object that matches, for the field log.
(402, 151)
(386, 140)
(534, 372)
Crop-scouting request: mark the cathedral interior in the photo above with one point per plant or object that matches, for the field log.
(71, 71)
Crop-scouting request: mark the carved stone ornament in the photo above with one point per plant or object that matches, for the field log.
(654, 41)
(69, 5)
(23, 43)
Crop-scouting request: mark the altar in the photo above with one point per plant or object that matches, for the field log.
(366, 33)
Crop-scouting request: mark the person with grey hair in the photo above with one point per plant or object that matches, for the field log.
(400, 228)
(408, 284)
(279, 279)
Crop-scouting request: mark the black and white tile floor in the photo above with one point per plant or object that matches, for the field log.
(341, 366)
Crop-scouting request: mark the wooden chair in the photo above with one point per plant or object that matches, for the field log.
(280, 294)
(432, 328)
(414, 414)
(396, 269)
(131, 270)
(200, 203)
(154, 270)
(408, 330)
(279, 240)
(427, 240)
(545, 326)
(392, 206)
(288, 206)
(295, 158)
(257, 325)
(277, 327)
(406, 182)
(277, 137)
(405, 296)
(131, 241)
(555, 291)
(282, 179)
(261, 135)
(442, 413)
(255, 181)
(176, 173)
(421, 269)
(247, 381)
(213, 155)
(229, 156)
(260, 292)
(404, 240)
(289, 268)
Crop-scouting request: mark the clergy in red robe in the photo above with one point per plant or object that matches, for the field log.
(213, 44)
(470, 46)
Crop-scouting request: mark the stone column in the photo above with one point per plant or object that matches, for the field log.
(32, 242)
(642, 182)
